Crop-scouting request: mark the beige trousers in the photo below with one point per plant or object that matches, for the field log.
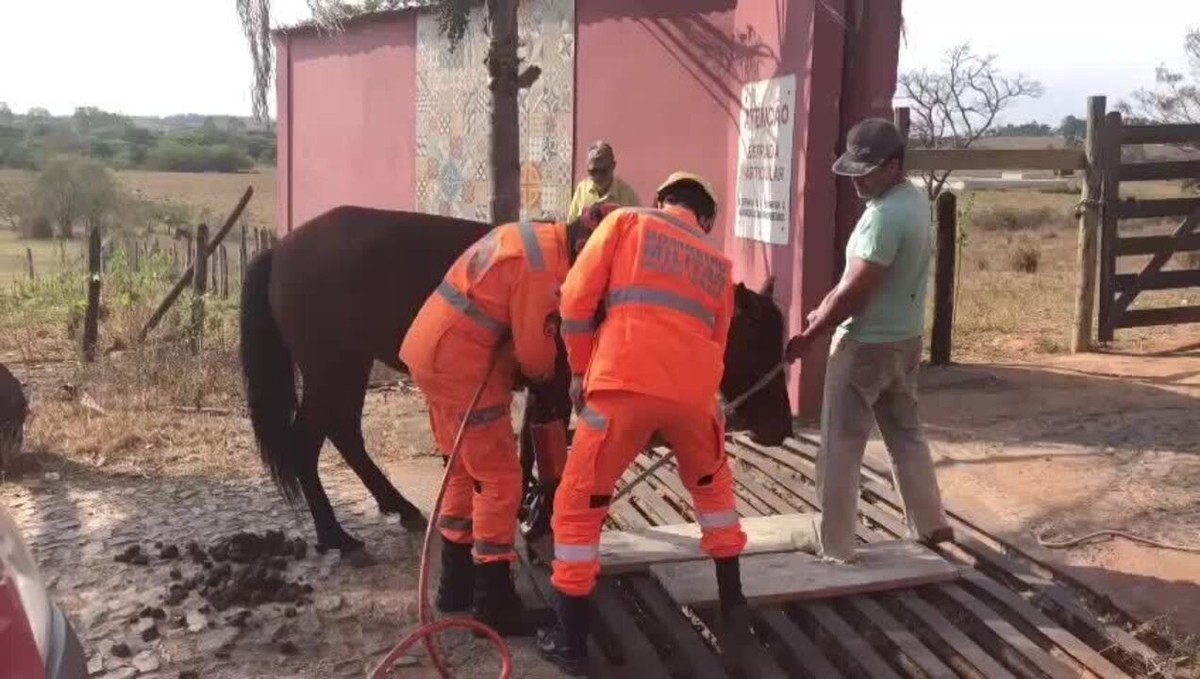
(868, 384)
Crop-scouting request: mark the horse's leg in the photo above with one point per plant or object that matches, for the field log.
(346, 433)
(310, 434)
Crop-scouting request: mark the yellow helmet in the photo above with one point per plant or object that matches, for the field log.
(679, 177)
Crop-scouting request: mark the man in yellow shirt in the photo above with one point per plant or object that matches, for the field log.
(602, 185)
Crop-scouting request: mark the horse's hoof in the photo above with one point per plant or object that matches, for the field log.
(358, 558)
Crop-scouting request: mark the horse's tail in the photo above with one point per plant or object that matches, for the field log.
(269, 378)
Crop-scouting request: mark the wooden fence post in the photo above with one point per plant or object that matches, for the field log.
(1110, 190)
(29, 262)
(943, 279)
(91, 318)
(1089, 223)
(224, 272)
(199, 288)
(190, 275)
(900, 116)
(242, 257)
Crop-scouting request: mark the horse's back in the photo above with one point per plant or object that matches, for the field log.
(355, 277)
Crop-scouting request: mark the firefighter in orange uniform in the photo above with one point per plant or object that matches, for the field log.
(504, 287)
(654, 364)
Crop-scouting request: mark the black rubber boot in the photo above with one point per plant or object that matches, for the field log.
(565, 644)
(456, 587)
(496, 602)
(736, 634)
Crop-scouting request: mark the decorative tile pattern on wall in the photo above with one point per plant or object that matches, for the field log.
(454, 115)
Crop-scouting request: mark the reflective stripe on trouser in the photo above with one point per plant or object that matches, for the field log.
(868, 384)
(613, 428)
(483, 492)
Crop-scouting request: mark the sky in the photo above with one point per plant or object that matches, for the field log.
(159, 57)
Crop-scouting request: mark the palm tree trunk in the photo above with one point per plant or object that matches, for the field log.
(506, 150)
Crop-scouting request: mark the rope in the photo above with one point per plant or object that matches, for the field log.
(1108, 532)
(429, 628)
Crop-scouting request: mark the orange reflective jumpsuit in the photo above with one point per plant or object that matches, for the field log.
(654, 365)
(505, 285)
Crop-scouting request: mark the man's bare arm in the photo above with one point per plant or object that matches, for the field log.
(850, 297)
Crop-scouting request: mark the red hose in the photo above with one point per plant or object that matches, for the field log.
(429, 627)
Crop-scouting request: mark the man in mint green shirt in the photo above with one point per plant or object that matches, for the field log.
(877, 313)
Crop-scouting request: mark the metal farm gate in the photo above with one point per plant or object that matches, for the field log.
(1119, 290)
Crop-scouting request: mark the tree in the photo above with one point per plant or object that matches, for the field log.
(72, 190)
(1176, 96)
(956, 104)
(1073, 130)
(454, 17)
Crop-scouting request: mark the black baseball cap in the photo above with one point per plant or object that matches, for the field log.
(869, 144)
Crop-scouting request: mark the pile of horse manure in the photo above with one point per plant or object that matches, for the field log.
(245, 570)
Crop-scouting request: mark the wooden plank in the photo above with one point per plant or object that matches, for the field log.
(688, 647)
(1160, 170)
(980, 662)
(1149, 245)
(636, 650)
(1155, 265)
(1015, 647)
(1110, 191)
(1154, 208)
(753, 659)
(1161, 134)
(1140, 318)
(802, 656)
(792, 576)
(911, 654)
(1089, 225)
(854, 650)
(624, 551)
(1068, 642)
(1162, 280)
(994, 159)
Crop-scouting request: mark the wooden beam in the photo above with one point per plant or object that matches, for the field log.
(1160, 170)
(942, 337)
(1151, 208)
(1150, 245)
(791, 576)
(1161, 280)
(623, 551)
(1110, 190)
(1156, 263)
(1089, 225)
(1141, 318)
(994, 159)
(1161, 134)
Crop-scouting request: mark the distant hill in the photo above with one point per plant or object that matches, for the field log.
(177, 143)
(193, 121)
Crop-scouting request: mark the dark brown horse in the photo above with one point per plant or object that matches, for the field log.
(340, 292)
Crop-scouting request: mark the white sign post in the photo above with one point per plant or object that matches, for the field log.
(764, 183)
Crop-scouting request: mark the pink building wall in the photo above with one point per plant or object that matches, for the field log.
(659, 80)
(347, 118)
(669, 99)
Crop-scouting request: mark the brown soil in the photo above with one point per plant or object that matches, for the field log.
(1064, 446)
